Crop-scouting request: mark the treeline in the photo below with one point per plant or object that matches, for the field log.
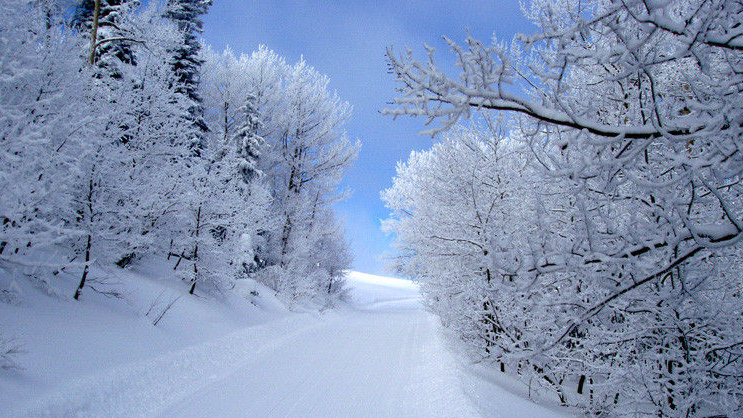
(121, 136)
(586, 237)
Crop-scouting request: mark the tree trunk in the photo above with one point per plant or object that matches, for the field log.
(85, 270)
(90, 238)
(94, 32)
(226, 123)
(581, 382)
(196, 253)
(590, 390)
(180, 257)
(285, 234)
(552, 382)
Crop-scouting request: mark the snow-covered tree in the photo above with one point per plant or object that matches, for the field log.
(45, 118)
(632, 111)
(308, 153)
(185, 60)
(105, 148)
(129, 190)
(232, 112)
(110, 160)
(288, 127)
(230, 200)
(454, 209)
(111, 42)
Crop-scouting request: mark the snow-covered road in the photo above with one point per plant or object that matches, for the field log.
(381, 356)
(383, 359)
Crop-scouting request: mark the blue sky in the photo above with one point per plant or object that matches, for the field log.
(347, 41)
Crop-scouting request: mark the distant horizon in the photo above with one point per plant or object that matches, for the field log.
(352, 272)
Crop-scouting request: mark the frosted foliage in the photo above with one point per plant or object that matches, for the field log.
(619, 268)
(110, 161)
(284, 131)
(45, 113)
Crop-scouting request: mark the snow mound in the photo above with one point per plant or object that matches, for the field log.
(372, 292)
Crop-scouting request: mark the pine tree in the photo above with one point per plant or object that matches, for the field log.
(249, 142)
(113, 43)
(186, 63)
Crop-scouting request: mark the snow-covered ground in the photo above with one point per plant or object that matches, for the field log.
(381, 355)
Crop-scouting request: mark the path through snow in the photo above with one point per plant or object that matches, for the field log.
(383, 357)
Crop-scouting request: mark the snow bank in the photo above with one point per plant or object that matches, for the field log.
(371, 292)
(85, 341)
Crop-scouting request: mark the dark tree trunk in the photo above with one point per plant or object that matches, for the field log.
(581, 382)
(285, 235)
(554, 384)
(85, 270)
(180, 257)
(330, 285)
(196, 253)
(590, 390)
(88, 244)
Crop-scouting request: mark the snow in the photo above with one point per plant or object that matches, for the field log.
(498, 395)
(380, 355)
(67, 340)
(371, 292)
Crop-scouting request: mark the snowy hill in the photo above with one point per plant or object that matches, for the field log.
(65, 340)
(369, 292)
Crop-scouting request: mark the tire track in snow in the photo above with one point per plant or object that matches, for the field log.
(142, 388)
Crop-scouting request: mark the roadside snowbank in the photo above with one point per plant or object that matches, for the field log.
(70, 341)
